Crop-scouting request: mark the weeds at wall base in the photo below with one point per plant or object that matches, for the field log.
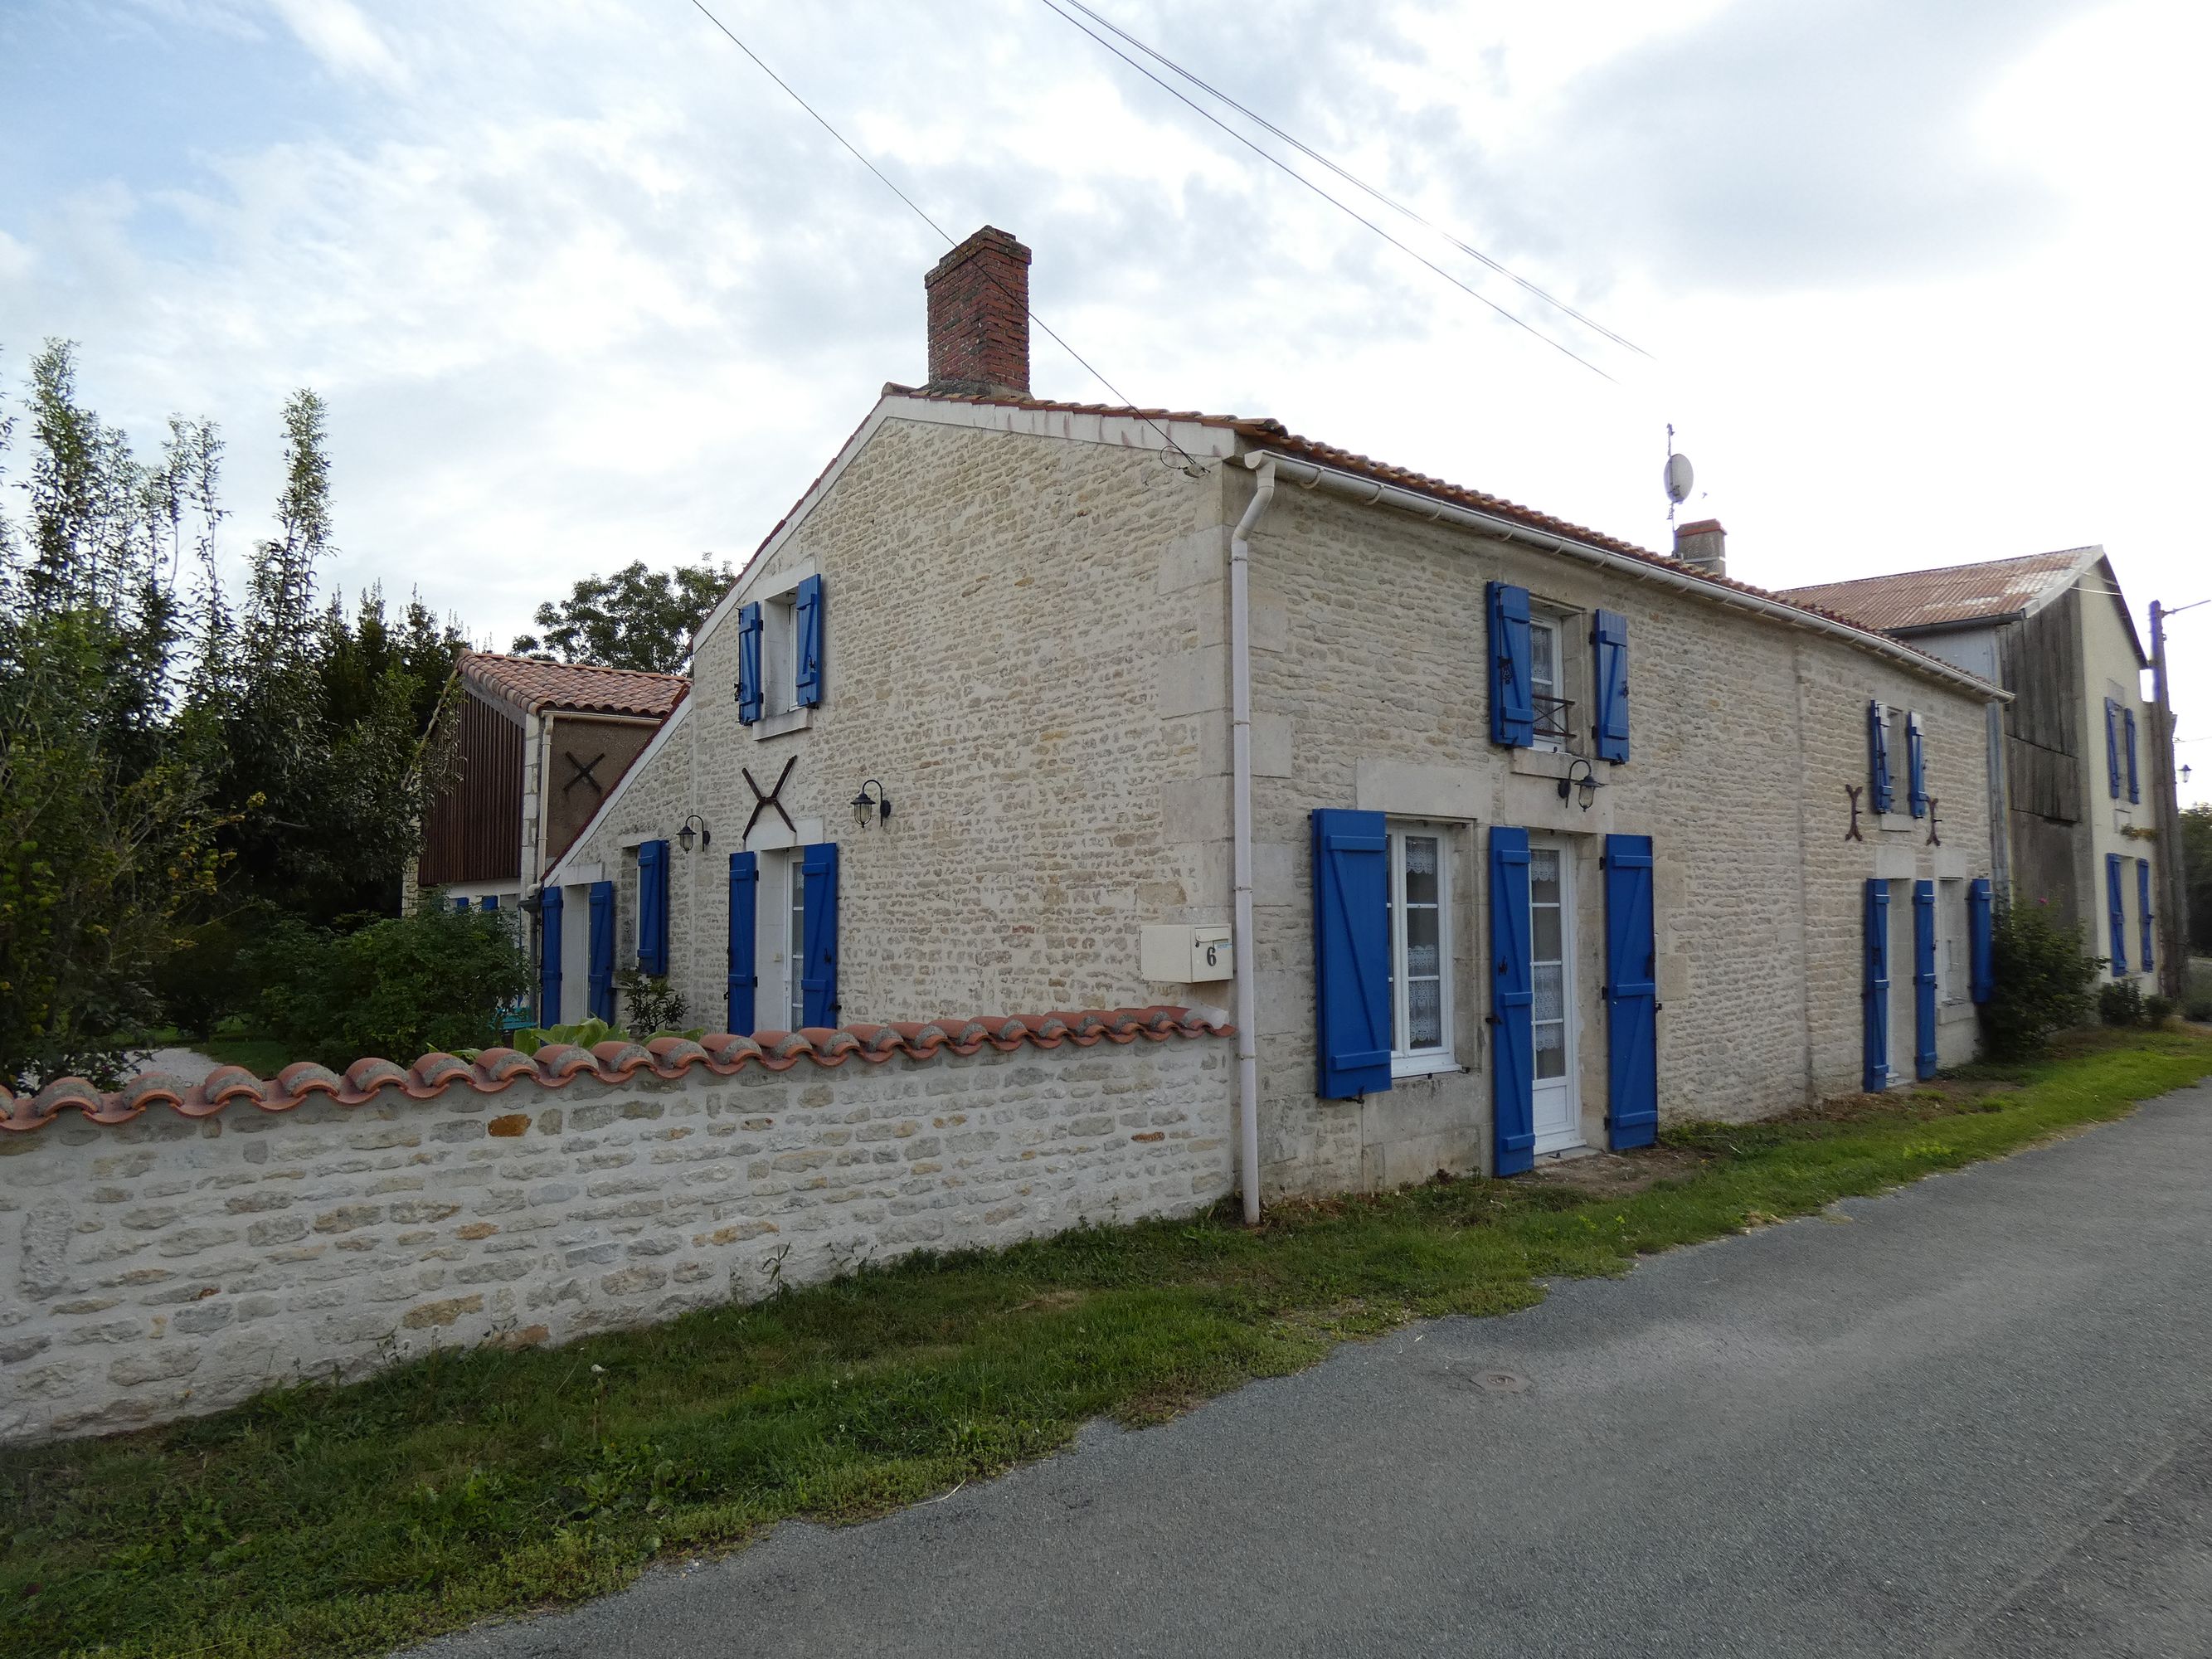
(337, 1520)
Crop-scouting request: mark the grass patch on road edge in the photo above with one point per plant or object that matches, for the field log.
(341, 1520)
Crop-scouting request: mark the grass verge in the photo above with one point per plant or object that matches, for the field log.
(330, 1521)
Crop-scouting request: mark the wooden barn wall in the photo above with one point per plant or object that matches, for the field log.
(474, 832)
(2041, 659)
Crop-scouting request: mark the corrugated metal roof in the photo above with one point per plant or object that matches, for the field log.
(1988, 592)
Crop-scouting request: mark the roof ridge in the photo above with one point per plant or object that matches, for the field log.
(1268, 432)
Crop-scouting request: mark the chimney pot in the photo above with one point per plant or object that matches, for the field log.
(978, 318)
(1703, 546)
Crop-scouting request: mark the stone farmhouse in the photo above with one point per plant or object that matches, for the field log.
(538, 747)
(2085, 768)
(1501, 837)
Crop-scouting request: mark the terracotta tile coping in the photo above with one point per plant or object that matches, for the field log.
(495, 1070)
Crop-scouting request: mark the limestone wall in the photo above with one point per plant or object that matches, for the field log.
(1370, 691)
(164, 1263)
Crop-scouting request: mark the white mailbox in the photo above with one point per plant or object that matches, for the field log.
(1174, 954)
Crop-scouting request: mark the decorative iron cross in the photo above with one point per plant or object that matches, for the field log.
(762, 801)
(1854, 790)
(1934, 840)
(583, 770)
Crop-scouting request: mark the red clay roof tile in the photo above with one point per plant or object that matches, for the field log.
(531, 683)
(495, 1070)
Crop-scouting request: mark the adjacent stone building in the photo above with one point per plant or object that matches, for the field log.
(1504, 837)
(537, 747)
(2079, 743)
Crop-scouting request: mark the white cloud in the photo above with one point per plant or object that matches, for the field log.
(341, 39)
(582, 286)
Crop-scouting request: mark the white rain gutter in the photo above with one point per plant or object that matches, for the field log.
(1240, 762)
(1308, 475)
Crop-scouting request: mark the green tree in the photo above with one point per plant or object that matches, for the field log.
(107, 832)
(636, 618)
(2196, 866)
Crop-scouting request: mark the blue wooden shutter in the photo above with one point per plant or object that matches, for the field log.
(2113, 747)
(1631, 994)
(745, 940)
(2135, 781)
(817, 968)
(1875, 1077)
(461, 907)
(1609, 639)
(601, 980)
(652, 909)
(1881, 797)
(806, 674)
(1512, 696)
(1981, 938)
(2116, 906)
(1923, 979)
(2142, 905)
(749, 664)
(1512, 1011)
(1352, 953)
(549, 957)
(489, 902)
(1916, 766)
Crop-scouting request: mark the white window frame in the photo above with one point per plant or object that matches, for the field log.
(1420, 1062)
(1545, 622)
(1954, 972)
(779, 653)
(792, 933)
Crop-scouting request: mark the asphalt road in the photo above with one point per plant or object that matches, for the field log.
(1968, 1418)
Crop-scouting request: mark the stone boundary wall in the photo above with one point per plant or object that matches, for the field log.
(168, 1250)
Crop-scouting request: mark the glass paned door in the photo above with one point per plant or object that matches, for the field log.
(1550, 960)
(795, 948)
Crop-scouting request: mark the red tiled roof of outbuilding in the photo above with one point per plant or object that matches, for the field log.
(531, 683)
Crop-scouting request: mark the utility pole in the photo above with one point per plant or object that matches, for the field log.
(2173, 931)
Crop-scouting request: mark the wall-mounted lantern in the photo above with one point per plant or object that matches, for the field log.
(868, 809)
(1581, 778)
(683, 836)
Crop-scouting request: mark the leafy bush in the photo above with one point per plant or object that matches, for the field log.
(653, 1003)
(590, 1033)
(398, 988)
(2121, 1003)
(2042, 977)
(2157, 1010)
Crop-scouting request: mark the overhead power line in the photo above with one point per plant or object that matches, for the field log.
(1174, 448)
(1394, 205)
(1274, 160)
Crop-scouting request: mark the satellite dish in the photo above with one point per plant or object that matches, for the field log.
(1679, 477)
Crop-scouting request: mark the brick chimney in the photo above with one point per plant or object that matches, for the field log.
(1703, 546)
(978, 318)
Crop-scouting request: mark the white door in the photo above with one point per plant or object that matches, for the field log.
(1558, 1111)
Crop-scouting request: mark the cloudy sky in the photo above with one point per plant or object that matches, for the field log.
(1920, 283)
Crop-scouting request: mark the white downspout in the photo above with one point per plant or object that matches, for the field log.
(1240, 752)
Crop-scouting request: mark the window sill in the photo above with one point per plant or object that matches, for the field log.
(776, 726)
(1422, 1066)
(1896, 823)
